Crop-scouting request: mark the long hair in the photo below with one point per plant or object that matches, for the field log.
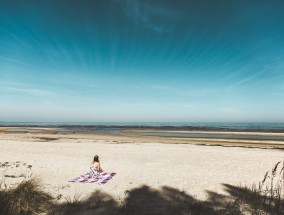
(96, 159)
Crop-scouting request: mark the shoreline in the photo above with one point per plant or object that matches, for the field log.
(257, 128)
(245, 133)
(50, 135)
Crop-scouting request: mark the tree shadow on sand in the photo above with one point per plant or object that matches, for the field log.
(97, 203)
(167, 201)
(143, 200)
(146, 201)
(252, 200)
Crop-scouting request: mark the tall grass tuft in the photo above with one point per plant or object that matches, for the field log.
(27, 198)
(268, 196)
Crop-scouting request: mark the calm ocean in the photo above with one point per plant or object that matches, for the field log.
(210, 126)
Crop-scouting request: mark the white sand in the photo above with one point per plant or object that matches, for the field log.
(192, 168)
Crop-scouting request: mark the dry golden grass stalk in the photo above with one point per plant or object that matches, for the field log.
(27, 198)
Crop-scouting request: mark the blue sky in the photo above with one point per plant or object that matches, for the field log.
(141, 60)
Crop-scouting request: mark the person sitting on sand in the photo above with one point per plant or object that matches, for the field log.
(95, 167)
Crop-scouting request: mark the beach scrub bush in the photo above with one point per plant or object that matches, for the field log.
(266, 197)
(26, 198)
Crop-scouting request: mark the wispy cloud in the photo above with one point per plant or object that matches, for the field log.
(15, 61)
(241, 82)
(273, 78)
(151, 16)
(187, 92)
(30, 90)
(245, 80)
(228, 110)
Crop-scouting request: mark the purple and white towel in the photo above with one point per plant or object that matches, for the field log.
(101, 179)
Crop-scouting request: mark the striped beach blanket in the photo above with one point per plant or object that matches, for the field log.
(101, 179)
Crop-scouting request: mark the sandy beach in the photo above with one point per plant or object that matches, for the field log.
(197, 170)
